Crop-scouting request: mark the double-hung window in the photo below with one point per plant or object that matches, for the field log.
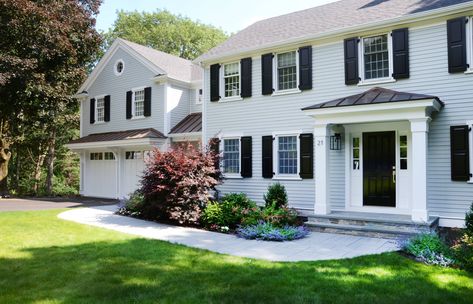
(231, 156)
(100, 109)
(231, 79)
(139, 103)
(287, 155)
(286, 75)
(376, 57)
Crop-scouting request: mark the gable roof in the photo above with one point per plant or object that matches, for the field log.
(120, 135)
(190, 124)
(320, 20)
(372, 96)
(160, 63)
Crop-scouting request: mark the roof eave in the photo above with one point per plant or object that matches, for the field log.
(457, 8)
(115, 143)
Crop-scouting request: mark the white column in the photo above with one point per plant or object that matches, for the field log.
(419, 129)
(83, 159)
(321, 138)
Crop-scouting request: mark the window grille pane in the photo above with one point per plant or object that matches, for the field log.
(139, 103)
(231, 156)
(100, 109)
(232, 79)
(376, 57)
(287, 71)
(287, 150)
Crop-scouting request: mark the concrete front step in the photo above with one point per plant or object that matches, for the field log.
(369, 224)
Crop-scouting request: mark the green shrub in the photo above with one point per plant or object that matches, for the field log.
(430, 249)
(276, 195)
(279, 216)
(463, 252)
(251, 216)
(228, 212)
(469, 221)
(133, 205)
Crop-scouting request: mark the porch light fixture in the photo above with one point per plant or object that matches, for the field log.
(336, 142)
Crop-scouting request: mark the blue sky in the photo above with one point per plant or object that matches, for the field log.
(230, 15)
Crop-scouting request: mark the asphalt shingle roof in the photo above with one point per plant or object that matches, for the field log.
(174, 66)
(321, 19)
(372, 96)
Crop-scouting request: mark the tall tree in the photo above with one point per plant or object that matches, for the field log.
(44, 51)
(161, 30)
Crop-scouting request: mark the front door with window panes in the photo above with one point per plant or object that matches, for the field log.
(287, 71)
(376, 57)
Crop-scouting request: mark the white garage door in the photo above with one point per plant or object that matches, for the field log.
(133, 170)
(101, 175)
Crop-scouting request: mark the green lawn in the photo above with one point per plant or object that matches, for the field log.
(47, 260)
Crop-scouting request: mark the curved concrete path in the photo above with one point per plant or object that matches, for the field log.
(317, 246)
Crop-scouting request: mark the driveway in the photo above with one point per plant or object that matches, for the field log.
(28, 204)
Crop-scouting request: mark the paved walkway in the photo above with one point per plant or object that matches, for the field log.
(317, 246)
(27, 204)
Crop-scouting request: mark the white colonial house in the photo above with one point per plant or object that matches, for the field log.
(363, 109)
(136, 99)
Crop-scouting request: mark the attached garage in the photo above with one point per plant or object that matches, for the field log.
(100, 175)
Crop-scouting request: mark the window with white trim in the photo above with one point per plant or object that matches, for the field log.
(119, 67)
(133, 155)
(376, 57)
(231, 79)
(139, 103)
(286, 65)
(100, 109)
(96, 156)
(231, 156)
(108, 156)
(287, 155)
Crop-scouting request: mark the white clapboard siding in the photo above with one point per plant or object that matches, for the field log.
(263, 115)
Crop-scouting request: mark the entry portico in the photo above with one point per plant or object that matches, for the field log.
(385, 135)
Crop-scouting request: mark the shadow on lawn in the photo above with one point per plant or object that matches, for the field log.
(144, 271)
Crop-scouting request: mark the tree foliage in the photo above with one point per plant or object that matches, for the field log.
(44, 52)
(161, 30)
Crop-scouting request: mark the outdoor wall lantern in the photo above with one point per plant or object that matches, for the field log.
(336, 142)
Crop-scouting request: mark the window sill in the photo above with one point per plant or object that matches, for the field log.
(286, 92)
(287, 177)
(233, 98)
(99, 122)
(138, 117)
(232, 176)
(376, 81)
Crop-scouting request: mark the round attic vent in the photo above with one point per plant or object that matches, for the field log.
(119, 67)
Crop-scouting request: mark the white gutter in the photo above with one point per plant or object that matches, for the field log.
(116, 143)
(430, 14)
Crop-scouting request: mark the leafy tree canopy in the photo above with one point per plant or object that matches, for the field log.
(161, 30)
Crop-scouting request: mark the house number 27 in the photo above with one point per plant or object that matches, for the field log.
(320, 142)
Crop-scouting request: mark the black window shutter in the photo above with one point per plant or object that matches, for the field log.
(214, 82)
(246, 65)
(147, 105)
(267, 160)
(92, 110)
(456, 36)
(129, 96)
(307, 155)
(400, 53)
(267, 74)
(351, 61)
(215, 148)
(305, 68)
(246, 157)
(106, 116)
(459, 150)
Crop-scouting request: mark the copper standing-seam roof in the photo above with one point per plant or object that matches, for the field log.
(122, 135)
(191, 124)
(372, 96)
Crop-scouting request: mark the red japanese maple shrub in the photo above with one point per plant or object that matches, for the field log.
(177, 184)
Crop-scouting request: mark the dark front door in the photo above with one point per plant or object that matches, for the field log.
(379, 159)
